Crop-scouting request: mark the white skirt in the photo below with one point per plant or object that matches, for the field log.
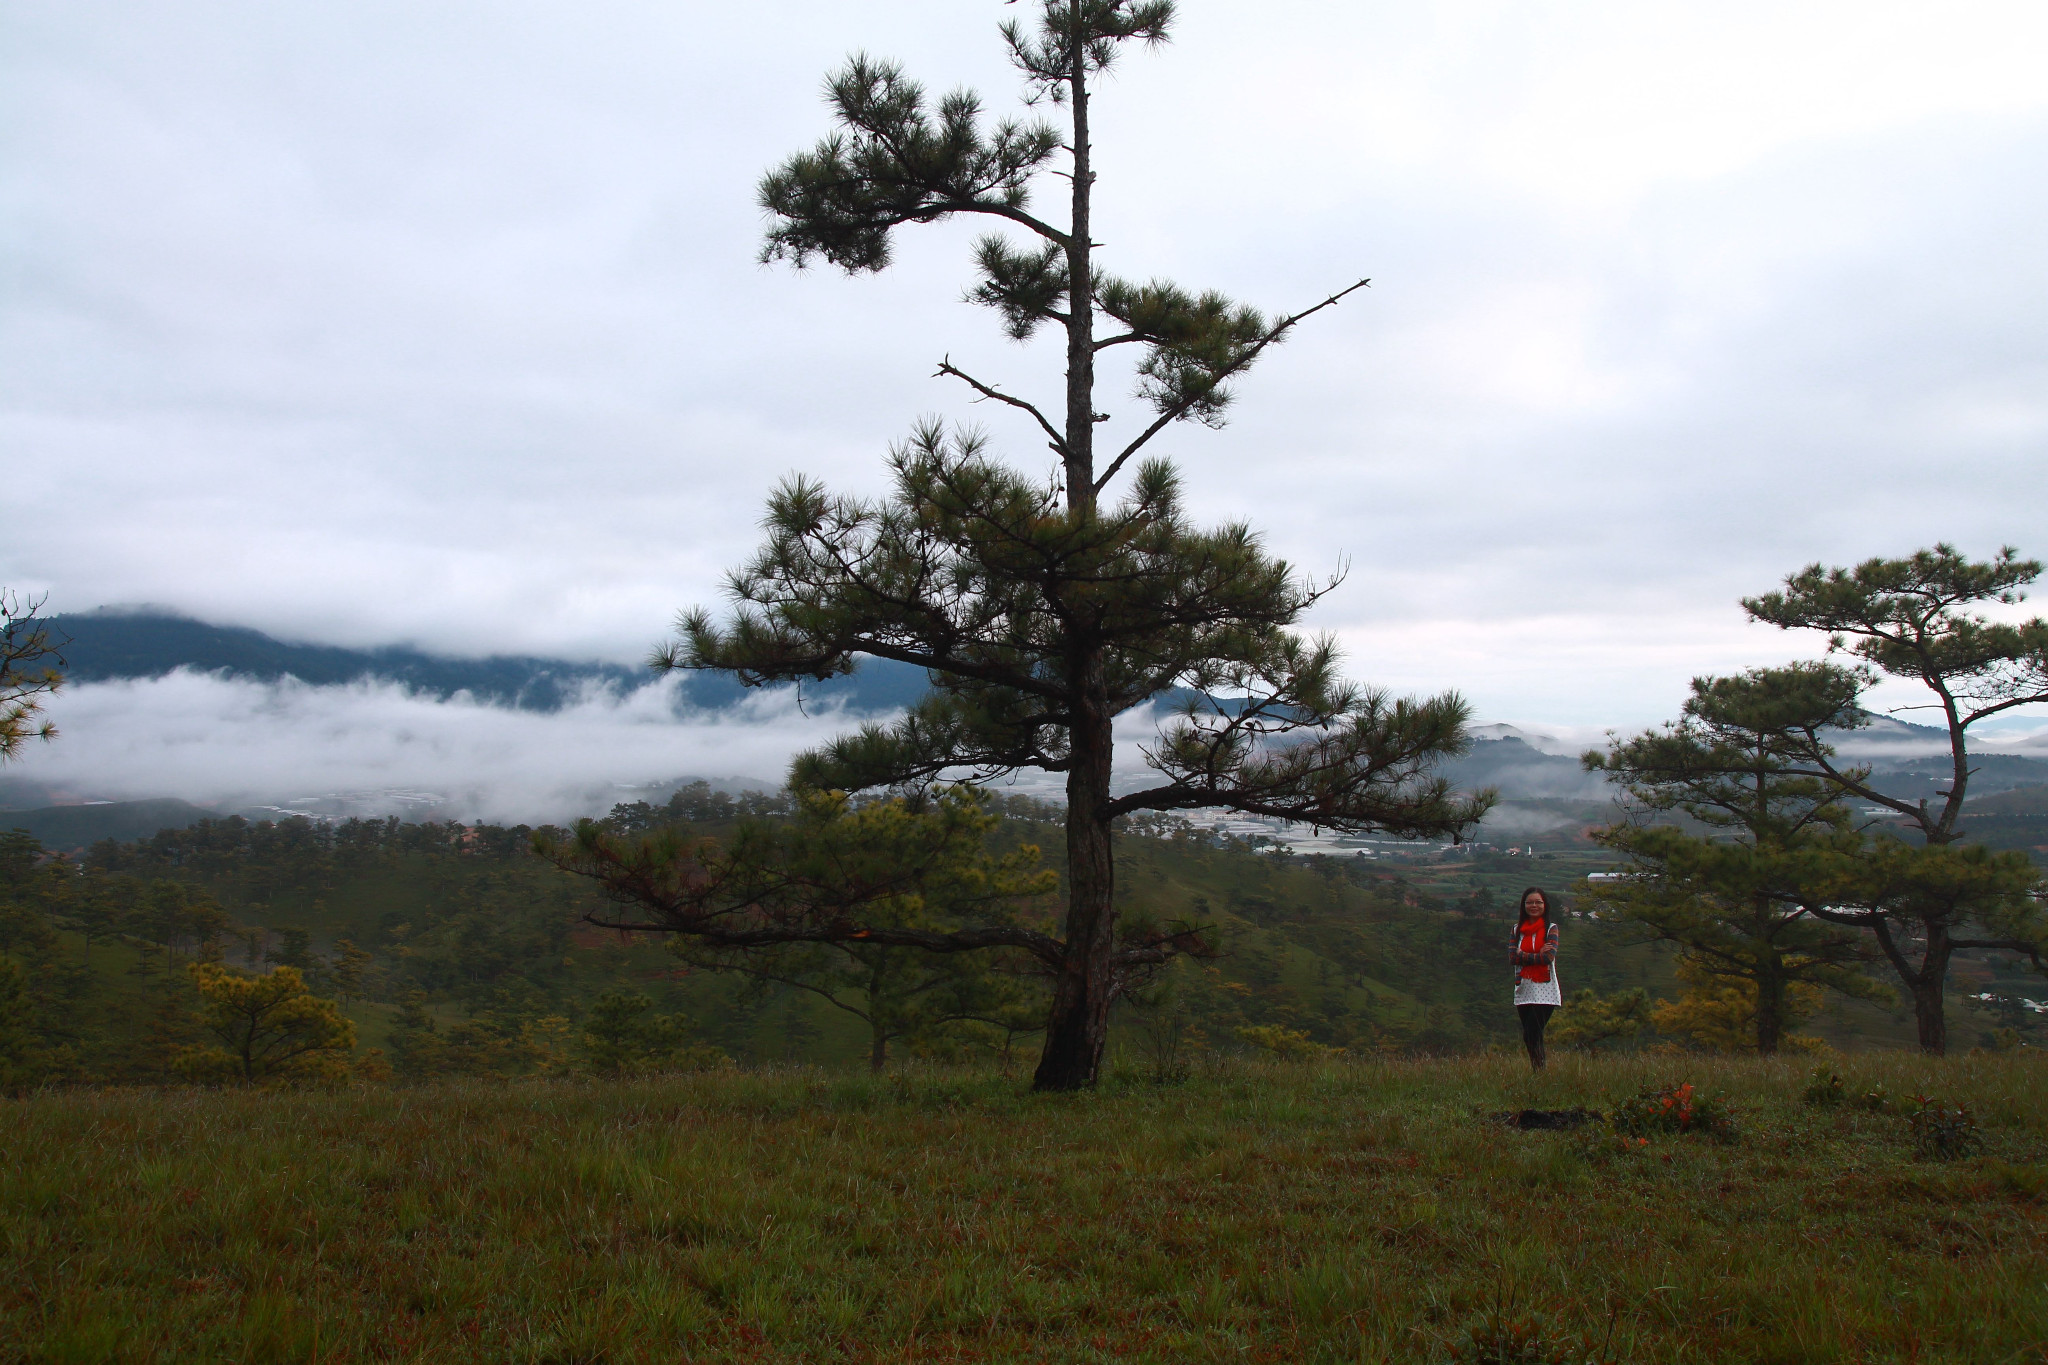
(1529, 992)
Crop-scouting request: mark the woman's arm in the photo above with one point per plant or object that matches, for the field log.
(1518, 958)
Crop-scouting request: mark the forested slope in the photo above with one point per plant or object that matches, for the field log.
(457, 950)
(464, 932)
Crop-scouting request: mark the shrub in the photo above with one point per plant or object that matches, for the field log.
(1824, 1088)
(1719, 1013)
(1943, 1132)
(1285, 1042)
(1677, 1110)
(1590, 1019)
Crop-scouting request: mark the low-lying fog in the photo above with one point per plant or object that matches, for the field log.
(370, 747)
(232, 742)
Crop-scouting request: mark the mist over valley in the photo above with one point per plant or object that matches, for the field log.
(175, 719)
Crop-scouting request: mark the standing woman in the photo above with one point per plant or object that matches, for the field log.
(1535, 963)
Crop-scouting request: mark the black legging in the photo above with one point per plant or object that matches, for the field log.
(1534, 1017)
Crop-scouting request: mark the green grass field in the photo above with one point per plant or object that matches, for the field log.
(1348, 1211)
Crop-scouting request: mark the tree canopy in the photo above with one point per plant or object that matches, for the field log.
(1911, 619)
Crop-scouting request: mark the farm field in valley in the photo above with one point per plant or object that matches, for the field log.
(1348, 1210)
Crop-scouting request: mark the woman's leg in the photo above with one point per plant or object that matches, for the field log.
(1534, 1017)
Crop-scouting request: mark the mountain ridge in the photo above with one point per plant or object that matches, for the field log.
(111, 645)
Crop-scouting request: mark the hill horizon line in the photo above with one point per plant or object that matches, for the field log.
(113, 643)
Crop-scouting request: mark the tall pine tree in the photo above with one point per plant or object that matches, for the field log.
(1044, 607)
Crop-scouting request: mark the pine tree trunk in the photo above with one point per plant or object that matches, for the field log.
(1925, 982)
(1078, 1027)
(1770, 1013)
(1927, 986)
(1770, 979)
(1080, 424)
(1928, 1015)
(878, 1050)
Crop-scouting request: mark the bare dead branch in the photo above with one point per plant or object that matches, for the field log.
(1058, 439)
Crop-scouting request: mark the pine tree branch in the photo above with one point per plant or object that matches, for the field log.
(2005, 945)
(1186, 940)
(1855, 919)
(1849, 782)
(761, 974)
(2025, 699)
(1058, 439)
(1236, 365)
(941, 662)
(1365, 768)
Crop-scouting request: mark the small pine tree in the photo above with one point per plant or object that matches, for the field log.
(417, 1048)
(294, 948)
(350, 970)
(29, 885)
(1741, 897)
(268, 1028)
(172, 1031)
(622, 1036)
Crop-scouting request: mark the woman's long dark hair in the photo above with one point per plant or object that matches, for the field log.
(1523, 899)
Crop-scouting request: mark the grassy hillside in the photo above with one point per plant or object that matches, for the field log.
(1362, 1211)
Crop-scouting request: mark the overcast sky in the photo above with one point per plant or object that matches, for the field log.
(438, 322)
